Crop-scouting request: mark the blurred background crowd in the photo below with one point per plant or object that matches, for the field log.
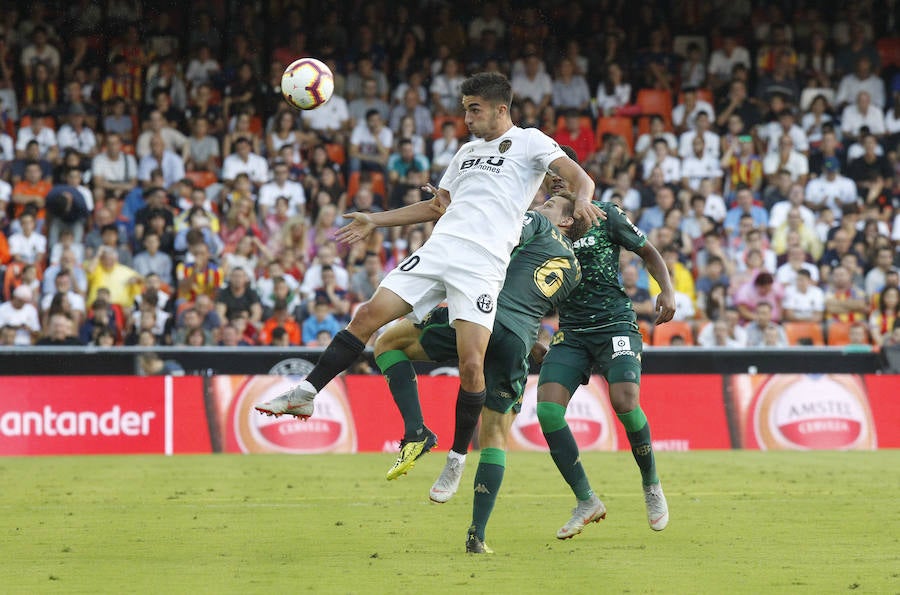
(155, 189)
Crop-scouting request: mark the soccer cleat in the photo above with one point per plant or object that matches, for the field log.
(475, 545)
(587, 511)
(448, 481)
(410, 451)
(298, 401)
(657, 509)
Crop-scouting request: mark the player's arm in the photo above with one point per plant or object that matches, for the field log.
(656, 266)
(363, 224)
(581, 185)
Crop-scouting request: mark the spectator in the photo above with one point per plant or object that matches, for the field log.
(682, 279)
(31, 192)
(803, 301)
(796, 260)
(202, 152)
(883, 320)
(331, 121)
(723, 60)
(200, 277)
(237, 297)
(104, 271)
(365, 281)
(445, 89)
(444, 148)
(630, 198)
(720, 336)
(786, 158)
(871, 172)
(700, 165)
(20, 314)
(370, 144)
(784, 125)
(39, 51)
(157, 125)
(701, 129)
(654, 216)
(281, 318)
(100, 321)
(321, 319)
(533, 82)
(27, 246)
(745, 206)
(279, 186)
(231, 337)
(399, 164)
(370, 100)
(862, 114)
(575, 135)
(76, 135)
(570, 89)
(863, 79)
(843, 301)
(152, 261)
(114, 172)
(190, 331)
(640, 297)
(60, 332)
(684, 115)
(160, 158)
(63, 286)
(877, 275)
(754, 240)
(280, 337)
(243, 160)
(762, 288)
(70, 205)
(646, 142)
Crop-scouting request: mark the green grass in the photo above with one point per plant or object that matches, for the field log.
(742, 522)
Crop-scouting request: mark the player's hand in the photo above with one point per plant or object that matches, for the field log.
(358, 229)
(665, 307)
(587, 209)
(441, 198)
(538, 351)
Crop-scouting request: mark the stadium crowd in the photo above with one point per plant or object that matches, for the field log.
(155, 189)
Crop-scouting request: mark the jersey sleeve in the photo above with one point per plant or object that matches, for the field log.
(531, 225)
(452, 171)
(621, 230)
(544, 150)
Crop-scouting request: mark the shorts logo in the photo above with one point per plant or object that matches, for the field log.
(505, 145)
(485, 303)
(622, 346)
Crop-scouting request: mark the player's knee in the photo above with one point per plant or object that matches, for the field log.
(551, 416)
(365, 321)
(471, 372)
(624, 396)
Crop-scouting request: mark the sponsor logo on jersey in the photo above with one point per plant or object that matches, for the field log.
(505, 145)
(485, 303)
(491, 164)
(584, 242)
(622, 346)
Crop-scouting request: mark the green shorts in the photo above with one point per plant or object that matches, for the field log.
(505, 363)
(613, 353)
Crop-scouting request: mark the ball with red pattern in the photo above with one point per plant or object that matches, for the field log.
(307, 84)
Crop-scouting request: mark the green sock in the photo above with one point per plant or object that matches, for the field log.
(563, 448)
(638, 431)
(401, 379)
(488, 478)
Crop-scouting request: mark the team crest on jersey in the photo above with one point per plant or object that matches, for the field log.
(485, 303)
(505, 145)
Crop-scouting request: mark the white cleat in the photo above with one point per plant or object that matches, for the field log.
(448, 481)
(297, 401)
(657, 508)
(587, 511)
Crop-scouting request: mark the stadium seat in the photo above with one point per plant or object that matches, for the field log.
(584, 122)
(336, 153)
(378, 186)
(256, 125)
(619, 126)
(804, 333)
(646, 330)
(663, 333)
(889, 51)
(656, 101)
(702, 95)
(201, 179)
(461, 129)
(839, 333)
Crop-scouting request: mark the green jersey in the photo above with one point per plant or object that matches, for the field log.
(543, 270)
(599, 300)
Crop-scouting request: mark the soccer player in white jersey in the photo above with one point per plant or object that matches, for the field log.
(479, 207)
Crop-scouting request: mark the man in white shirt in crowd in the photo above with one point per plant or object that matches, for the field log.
(76, 135)
(773, 131)
(737, 336)
(28, 246)
(244, 161)
(884, 263)
(723, 61)
(661, 157)
(329, 121)
(787, 273)
(803, 301)
(700, 165)
(533, 84)
(702, 124)
(170, 163)
(863, 79)
(831, 189)
(779, 212)
(45, 137)
(684, 115)
(114, 172)
(20, 314)
(157, 124)
(786, 158)
(862, 113)
(370, 144)
(281, 185)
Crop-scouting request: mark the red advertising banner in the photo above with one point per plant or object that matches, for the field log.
(100, 415)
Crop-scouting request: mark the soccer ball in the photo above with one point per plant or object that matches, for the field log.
(307, 84)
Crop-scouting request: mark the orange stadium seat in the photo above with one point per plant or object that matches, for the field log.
(583, 122)
(336, 153)
(804, 333)
(201, 179)
(702, 95)
(663, 333)
(839, 333)
(617, 125)
(656, 101)
(378, 185)
(460, 122)
(256, 125)
(889, 51)
(646, 330)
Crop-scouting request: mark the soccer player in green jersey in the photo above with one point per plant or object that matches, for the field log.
(542, 272)
(598, 332)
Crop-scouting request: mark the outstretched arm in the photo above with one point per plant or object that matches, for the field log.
(362, 224)
(656, 266)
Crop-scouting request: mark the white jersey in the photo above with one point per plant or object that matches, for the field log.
(491, 185)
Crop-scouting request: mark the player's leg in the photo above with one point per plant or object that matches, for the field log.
(344, 349)
(394, 349)
(566, 367)
(624, 376)
(493, 437)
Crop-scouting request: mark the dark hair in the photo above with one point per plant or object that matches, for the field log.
(491, 86)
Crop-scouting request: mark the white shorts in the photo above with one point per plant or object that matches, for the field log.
(448, 268)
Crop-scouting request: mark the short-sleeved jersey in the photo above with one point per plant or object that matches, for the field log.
(599, 300)
(543, 270)
(491, 185)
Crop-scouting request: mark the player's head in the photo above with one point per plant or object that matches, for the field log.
(560, 210)
(486, 98)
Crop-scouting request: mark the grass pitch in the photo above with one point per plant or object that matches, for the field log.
(742, 522)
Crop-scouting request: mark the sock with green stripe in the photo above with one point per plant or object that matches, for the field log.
(563, 448)
(401, 379)
(638, 431)
(488, 478)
